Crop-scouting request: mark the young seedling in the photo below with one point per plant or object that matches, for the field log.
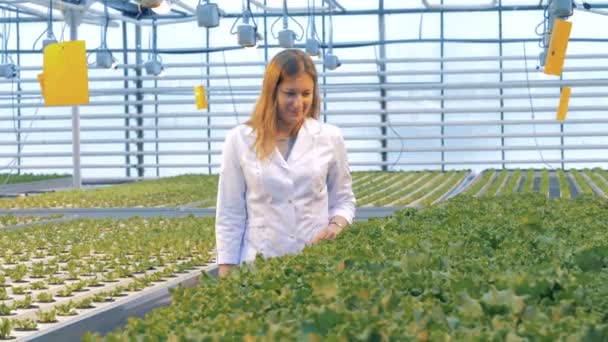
(19, 290)
(85, 304)
(101, 297)
(64, 292)
(79, 286)
(24, 257)
(26, 324)
(38, 285)
(5, 310)
(117, 292)
(47, 316)
(5, 328)
(135, 286)
(25, 303)
(38, 270)
(3, 294)
(45, 297)
(39, 254)
(52, 266)
(54, 280)
(156, 277)
(10, 259)
(66, 309)
(94, 282)
(110, 277)
(17, 273)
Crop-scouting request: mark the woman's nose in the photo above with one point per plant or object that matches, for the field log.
(298, 101)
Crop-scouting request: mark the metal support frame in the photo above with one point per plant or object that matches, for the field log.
(501, 78)
(208, 85)
(382, 80)
(442, 91)
(76, 176)
(324, 52)
(125, 58)
(139, 108)
(19, 146)
(561, 130)
(156, 130)
(265, 13)
(134, 96)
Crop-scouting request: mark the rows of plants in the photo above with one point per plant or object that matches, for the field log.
(528, 185)
(480, 183)
(171, 192)
(13, 220)
(439, 193)
(497, 184)
(370, 188)
(581, 182)
(391, 196)
(512, 185)
(408, 188)
(494, 183)
(599, 178)
(543, 188)
(564, 185)
(9, 178)
(57, 270)
(514, 268)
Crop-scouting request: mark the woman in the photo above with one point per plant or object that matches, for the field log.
(284, 180)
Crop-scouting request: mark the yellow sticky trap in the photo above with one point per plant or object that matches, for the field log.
(564, 99)
(65, 78)
(40, 77)
(557, 47)
(200, 97)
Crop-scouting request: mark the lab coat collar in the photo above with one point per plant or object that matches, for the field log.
(304, 142)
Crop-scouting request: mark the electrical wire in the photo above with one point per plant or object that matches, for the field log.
(310, 19)
(246, 12)
(285, 18)
(49, 26)
(62, 31)
(388, 120)
(38, 39)
(5, 58)
(542, 43)
(21, 145)
(236, 115)
(532, 114)
(314, 26)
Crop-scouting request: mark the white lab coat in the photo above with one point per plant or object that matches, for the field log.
(275, 207)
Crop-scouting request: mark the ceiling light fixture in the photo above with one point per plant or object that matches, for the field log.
(208, 15)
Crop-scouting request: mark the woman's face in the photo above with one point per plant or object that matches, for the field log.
(294, 97)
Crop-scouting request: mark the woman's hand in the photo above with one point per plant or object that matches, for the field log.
(224, 269)
(328, 233)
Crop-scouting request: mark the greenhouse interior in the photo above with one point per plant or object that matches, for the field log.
(465, 198)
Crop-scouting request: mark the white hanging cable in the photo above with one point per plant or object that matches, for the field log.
(285, 20)
(388, 119)
(533, 116)
(331, 61)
